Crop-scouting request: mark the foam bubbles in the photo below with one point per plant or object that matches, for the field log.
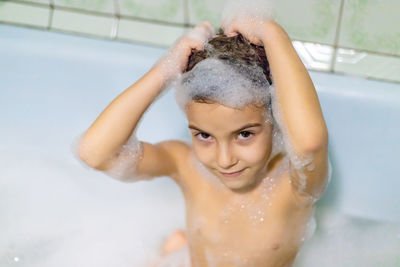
(174, 61)
(180, 257)
(310, 227)
(230, 84)
(124, 166)
(299, 162)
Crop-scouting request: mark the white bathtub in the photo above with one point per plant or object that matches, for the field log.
(54, 212)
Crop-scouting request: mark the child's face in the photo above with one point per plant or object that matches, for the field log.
(228, 140)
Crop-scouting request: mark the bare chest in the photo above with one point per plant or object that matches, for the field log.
(258, 230)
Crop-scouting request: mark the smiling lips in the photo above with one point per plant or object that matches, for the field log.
(232, 174)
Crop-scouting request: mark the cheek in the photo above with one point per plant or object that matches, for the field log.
(252, 155)
(256, 152)
(203, 153)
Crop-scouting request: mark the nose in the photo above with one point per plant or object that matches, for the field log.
(225, 157)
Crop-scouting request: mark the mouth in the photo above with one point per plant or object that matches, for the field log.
(232, 174)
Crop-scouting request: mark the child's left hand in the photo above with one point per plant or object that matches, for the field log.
(252, 28)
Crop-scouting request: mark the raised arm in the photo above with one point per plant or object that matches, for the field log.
(299, 111)
(110, 143)
(296, 104)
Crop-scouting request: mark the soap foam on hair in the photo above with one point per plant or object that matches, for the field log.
(231, 85)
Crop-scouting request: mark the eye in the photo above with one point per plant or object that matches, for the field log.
(203, 136)
(245, 135)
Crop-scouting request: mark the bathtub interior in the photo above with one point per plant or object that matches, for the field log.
(56, 212)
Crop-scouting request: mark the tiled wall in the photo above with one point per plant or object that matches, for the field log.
(357, 37)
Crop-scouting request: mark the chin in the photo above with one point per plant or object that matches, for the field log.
(237, 187)
(236, 183)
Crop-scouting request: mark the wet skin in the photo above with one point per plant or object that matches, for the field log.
(256, 218)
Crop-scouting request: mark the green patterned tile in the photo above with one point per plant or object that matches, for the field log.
(81, 23)
(164, 10)
(368, 65)
(309, 20)
(24, 14)
(201, 10)
(105, 6)
(39, 1)
(372, 25)
(148, 33)
(306, 20)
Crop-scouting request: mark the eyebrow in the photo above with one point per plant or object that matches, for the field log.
(235, 131)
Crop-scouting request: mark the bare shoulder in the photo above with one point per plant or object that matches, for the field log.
(178, 150)
(291, 195)
(165, 158)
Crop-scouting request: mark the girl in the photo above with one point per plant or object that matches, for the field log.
(258, 160)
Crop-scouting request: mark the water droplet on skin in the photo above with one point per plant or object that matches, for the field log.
(311, 167)
(261, 219)
(16, 259)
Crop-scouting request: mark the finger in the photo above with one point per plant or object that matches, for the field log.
(199, 33)
(194, 43)
(207, 24)
(211, 33)
(209, 29)
(231, 32)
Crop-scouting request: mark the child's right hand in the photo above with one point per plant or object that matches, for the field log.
(175, 61)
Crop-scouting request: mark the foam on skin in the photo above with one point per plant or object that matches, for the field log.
(260, 11)
(172, 64)
(299, 162)
(125, 165)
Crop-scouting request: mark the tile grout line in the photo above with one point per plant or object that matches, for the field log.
(128, 41)
(186, 17)
(185, 24)
(51, 13)
(133, 41)
(117, 16)
(337, 34)
(116, 20)
(103, 14)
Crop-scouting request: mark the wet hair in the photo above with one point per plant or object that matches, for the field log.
(234, 50)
